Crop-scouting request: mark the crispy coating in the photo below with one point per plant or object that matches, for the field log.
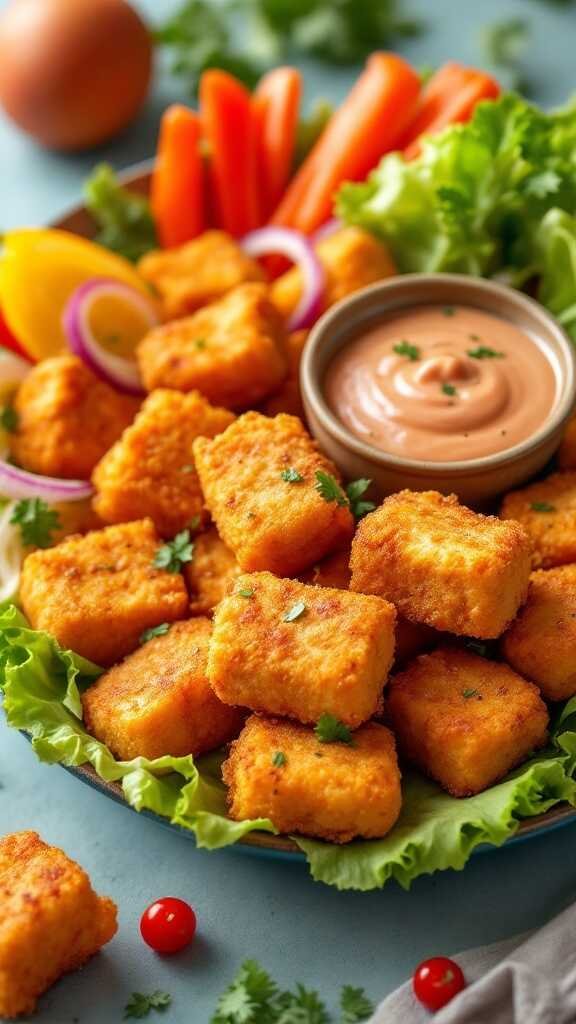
(547, 511)
(334, 791)
(567, 450)
(232, 351)
(158, 700)
(67, 418)
(197, 273)
(464, 720)
(211, 572)
(442, 564)
(541, 642)
(52, 920)
(268, 522)
(96, 594)
(332, 657)
(333, 571)
(352, 259)
(150, 471)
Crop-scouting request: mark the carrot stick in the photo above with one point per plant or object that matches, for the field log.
(230, 130)
(177, 191)
(367, 125)
(276, 107)
(448, 98)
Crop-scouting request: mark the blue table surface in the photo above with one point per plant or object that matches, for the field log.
(248, 907)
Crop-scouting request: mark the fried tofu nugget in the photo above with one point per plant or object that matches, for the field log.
(567, 450)
(232, 351)
(268, 521)
(464, 720)
(52, 920)
(158, 700)
(289, 398)
(211, 572)
(541, 642)
(442, 564)
(352, 259)
(547, 511)
(333, 571)
(285, 648)
(150, 470)
(198, 273)
(96, 594)
(334, 791)
(67, 419)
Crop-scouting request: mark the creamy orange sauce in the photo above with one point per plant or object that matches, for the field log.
(442, 384)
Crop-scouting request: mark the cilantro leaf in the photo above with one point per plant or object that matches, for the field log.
(9, 419)
(37, 522)
(329, 488)
(484, 352)
(448, 389)
(542, 506)
(404, 348)
(470, 693)
(355, 1005)
(249, 998)
(172, 555)
(139, 1004)
(354, 492)
(303, 1006)
(294, 612)
(330, 729)
(279, 759)
(291, 476)
(124, 218)
(153, 631)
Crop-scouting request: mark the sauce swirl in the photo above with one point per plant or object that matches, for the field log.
(440, 383)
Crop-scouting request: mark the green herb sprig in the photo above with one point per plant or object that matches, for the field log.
(330, 490)
(154, 631)
(37, 522)
(175, 553)
(139, 1004)
(330, 729)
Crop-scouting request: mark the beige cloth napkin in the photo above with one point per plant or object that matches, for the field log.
(526, 980)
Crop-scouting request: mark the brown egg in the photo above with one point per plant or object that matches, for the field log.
(73, 73)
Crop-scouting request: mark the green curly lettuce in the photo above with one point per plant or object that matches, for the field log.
(42, 686)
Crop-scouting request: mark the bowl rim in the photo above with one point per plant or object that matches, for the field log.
(401, 285)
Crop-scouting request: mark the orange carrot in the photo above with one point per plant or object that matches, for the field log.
(276, 107)
(230, 130)
(367, 125)
(448, 98)
(177, 191)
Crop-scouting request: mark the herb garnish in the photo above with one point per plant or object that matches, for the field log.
(294, 612)
(404, 348)
(291, 476)
(542, 506)
(448, 389)
(279, 759)
(470, 693)
(172, 555)
(449, 311)
(37, 522)
(9, 419)
(124, 218)
(330, 729)
(149, 634)
(484, 352)
(200, 343)
(355, 1005)
(245, 592)
(139, 1005)
(330, 490)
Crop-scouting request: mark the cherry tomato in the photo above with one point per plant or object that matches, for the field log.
(168, 925)
(437, 981)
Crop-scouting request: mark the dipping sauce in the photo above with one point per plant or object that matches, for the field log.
(442, 383)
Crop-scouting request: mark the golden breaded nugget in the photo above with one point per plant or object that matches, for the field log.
(352, 259)
(541, 642)
(97, 593)
(197, 273)
(333, 571)
(334, 791)
(210, 573)
(411, 639)
(158, 700)
(547, 511)
(267, 521)
(464, 720)
(289, 398)
(567, 450)
(442, 564)
(231, 351)
(285, 648)
(67, 418)
(150, 471)
(52, 920)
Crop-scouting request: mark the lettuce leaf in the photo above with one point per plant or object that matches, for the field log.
(42, 684)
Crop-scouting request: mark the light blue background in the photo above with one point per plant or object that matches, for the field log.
(249, 907)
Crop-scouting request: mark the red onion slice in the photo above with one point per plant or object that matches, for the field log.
(17, 483)
(297, 248)
(326, 229)
(121, 373)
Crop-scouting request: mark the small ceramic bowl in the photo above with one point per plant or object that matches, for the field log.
(475, 481)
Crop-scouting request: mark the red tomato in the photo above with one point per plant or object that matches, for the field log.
(8, 340)
(168, 925)
(437, 981)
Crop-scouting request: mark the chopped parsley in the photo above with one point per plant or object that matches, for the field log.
(139, 1004)
(200, 343)
(404, 348)
(294, 612)
(291, 476)
(542, 506)
(279, 759)
(330, 729)
(470, 693)
(245, 592)
(449, 389)
(9, 419)
(173, 555)
(330, 490)
(484, 352)
(37, 522)
(149, 634)
(449, 311)
(354, 492)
